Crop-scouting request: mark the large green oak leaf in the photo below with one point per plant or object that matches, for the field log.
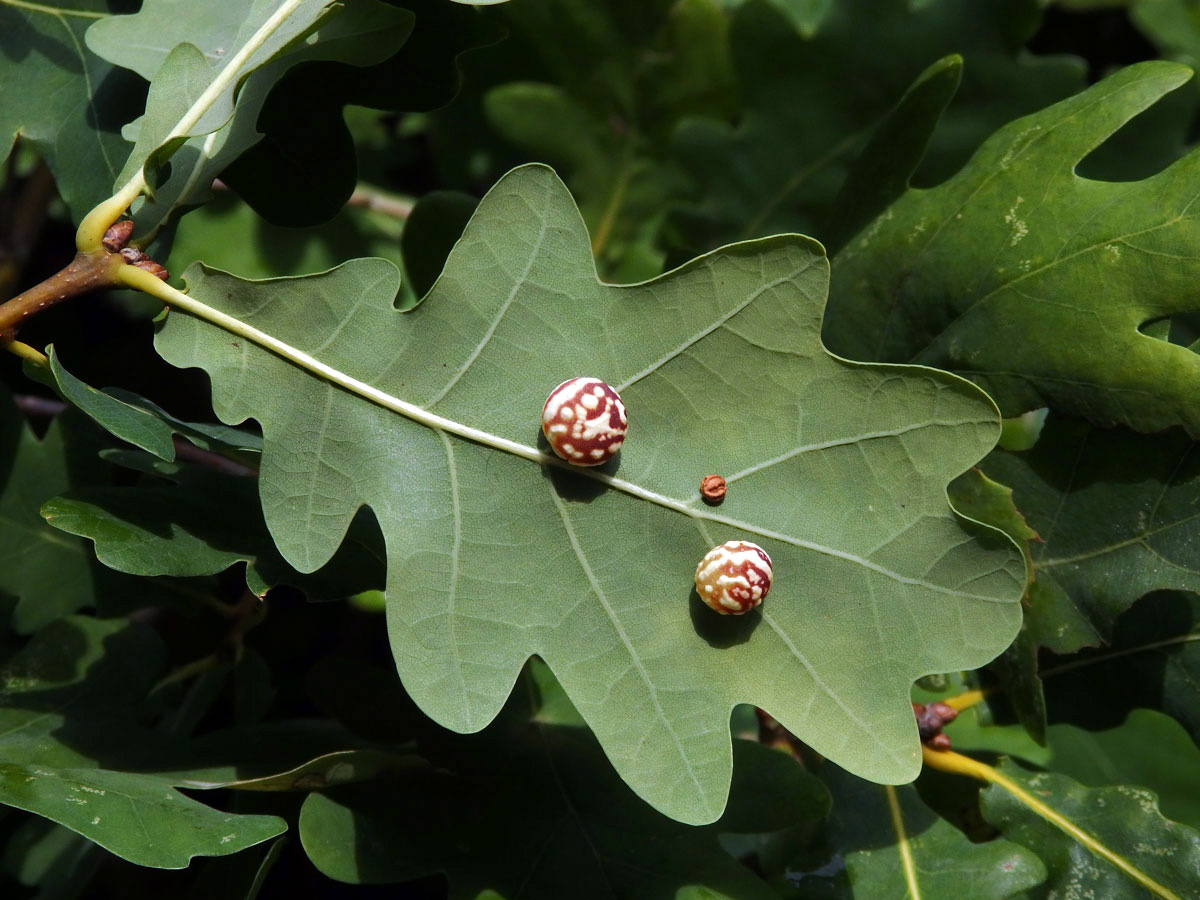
(497, 550)
(1033, 281)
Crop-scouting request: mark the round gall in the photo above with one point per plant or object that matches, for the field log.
(734, 578)
(584, 421)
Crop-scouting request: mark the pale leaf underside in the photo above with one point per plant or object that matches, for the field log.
(838, 469)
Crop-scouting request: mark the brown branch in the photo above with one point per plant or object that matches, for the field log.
(21, 222)
(217, 462)
(46, 408)
(378, 201)
(38, 407)
(87, 272)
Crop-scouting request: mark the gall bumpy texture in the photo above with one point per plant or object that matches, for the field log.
(584, 420)
(734, 578)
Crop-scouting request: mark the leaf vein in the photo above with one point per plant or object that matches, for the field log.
(621, 633)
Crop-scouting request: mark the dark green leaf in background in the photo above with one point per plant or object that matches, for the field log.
(436, 223)
(49, 573)
(947, 866)
(1118, 518)
(67, 101)
(811, 104)
(1152, 660)
(1149, 749)
(1123, 818)
(623, 75)
(190, 43)
(553, 814)
(70, 748)
(977, 496)
(135, 419)
(303, 170)
(1032, 281)
(232, 236)
(181, 526)
(56, 860)
(882, 171)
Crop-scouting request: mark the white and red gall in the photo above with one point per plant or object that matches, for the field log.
(734, 578)
(584, 420)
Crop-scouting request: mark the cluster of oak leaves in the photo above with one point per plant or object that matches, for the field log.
(1048, 257)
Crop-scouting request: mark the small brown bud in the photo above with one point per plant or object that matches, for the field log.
(118, 235)
(153, 268)
(712, 489)
(132, 255)
(930, 720)
(938, 742)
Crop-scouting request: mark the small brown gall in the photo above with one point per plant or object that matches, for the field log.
(712, 489)
(584, 421)
(734, 577)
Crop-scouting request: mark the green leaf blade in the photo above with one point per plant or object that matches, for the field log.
(946, 865)
(205, 100)
(48, 572)
(1117, 513)
(575, 823)
(1124, 819)
(492, 559)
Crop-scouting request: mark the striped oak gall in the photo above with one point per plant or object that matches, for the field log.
(584, 421)
(734, 577)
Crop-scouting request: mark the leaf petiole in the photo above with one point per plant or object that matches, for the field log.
(902, 844)
(32, 354)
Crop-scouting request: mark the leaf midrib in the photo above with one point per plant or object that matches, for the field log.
(142, 280)
(660, 713)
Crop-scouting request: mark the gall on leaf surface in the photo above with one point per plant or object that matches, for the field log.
(1034, 282)
(496, 552)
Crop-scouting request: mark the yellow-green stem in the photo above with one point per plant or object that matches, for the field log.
(965, 700)
(906, 857)
(52, 10)
(35, 356)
